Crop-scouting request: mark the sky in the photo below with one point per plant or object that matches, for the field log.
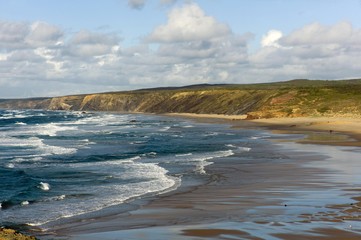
(52, 48)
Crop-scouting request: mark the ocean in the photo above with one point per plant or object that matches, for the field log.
(57, 165)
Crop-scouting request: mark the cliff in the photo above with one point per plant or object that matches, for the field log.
(284, 99)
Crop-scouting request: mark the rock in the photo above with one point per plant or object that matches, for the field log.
(10, 234)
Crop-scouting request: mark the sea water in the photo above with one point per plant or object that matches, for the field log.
(56, 165)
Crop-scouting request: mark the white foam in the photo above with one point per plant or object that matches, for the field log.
(150, 154)
(87, 141)
(12, 115)
(137, 142)
(218, 154)
(61, 197)
(25, 203)
(15, 142)
(29, 158)
(44, 186)
(231, 146)
(259, 137)
(201, 160)
(134, 158)
(164, 129)
(51, 129)
(211, 134)
(56, 198)
(35, 143)
(241, 149)
(103, 120)
(56, 150)
(10, 165)
(184, 155)
(244, 149)
(153, 179)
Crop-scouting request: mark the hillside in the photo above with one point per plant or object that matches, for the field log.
(283, 99)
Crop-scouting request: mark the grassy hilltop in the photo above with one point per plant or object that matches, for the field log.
(283, 99)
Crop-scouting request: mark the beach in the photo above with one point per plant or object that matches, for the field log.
(306, 187)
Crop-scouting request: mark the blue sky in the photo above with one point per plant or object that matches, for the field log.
(52, 48)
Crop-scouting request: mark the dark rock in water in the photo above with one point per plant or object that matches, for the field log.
(5, 205)
(133, 121)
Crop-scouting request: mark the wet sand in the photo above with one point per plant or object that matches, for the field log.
(320, 130)
(297, 191)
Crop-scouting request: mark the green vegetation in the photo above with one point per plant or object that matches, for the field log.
(283, 99)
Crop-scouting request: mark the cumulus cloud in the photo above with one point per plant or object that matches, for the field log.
(313, 51)
(12, 34)
(316, 33)
(189, 48)
(188, 23)
(42, 33)
(271, 38)
(85, 44)
(41, 52)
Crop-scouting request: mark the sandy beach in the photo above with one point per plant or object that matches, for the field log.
(299, 191)
(321, 130)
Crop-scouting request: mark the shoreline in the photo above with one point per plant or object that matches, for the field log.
(333, 127)
(223, 206)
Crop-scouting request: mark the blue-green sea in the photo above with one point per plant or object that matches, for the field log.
(56, 165)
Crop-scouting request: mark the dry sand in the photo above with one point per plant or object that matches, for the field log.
(293, 196)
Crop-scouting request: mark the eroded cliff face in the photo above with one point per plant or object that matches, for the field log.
(66, 103)
(290, 99)
(34, 103)
(203, 101)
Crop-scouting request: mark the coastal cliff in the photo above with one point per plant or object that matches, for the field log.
(294, 98)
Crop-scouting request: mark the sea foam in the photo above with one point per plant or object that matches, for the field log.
(44, 186)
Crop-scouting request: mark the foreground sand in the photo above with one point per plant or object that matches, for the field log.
(290, 194)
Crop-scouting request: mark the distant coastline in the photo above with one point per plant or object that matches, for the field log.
(291, 99)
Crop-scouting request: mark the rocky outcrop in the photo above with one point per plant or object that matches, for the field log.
(10, 234)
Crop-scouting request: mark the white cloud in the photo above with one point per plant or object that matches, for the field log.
(85, 44)
(40, 59)
(316, 33)
(313, 51)
(12, 34)
(43, 34)
(271, 38)
(188, 23)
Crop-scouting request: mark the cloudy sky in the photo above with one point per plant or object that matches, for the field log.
(50, 48)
